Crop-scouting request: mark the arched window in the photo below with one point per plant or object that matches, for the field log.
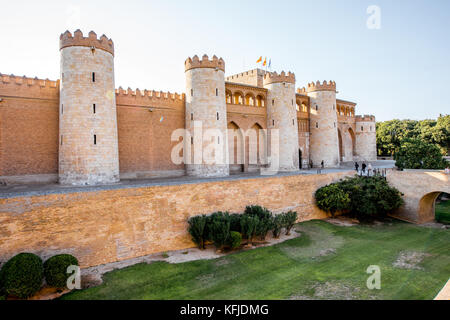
(249, 100)
(260, 101)
(238, 98)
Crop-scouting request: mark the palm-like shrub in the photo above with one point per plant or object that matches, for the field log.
(248, 226)
(220, 228)
(197, 229)
(277, 225)
(289, 219)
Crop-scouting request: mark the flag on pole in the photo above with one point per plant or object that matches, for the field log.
(259, 60)
(265, 62)
(270, 63)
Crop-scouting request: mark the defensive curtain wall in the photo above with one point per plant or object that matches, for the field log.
(104, 224)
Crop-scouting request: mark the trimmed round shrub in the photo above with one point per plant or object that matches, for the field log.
(55, 270)
(22, 275)
(235, 239)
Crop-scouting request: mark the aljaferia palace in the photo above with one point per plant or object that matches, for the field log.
(102, 145)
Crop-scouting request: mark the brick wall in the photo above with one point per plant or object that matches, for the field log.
(28, 126)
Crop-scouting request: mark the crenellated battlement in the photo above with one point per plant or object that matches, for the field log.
(365, 118)
(67, 40)
(317, 86)
(274, 77)
(43, 83)
(148, 98)
(24, 87)
(195, 62)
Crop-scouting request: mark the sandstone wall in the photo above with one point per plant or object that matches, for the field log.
(111, 225)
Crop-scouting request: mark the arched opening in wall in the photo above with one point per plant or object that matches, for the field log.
(442, 208)
(341, 153)
(304, 108)
(229, 97)
(352, 136)
(249, 100)
(235, 148)
(255, 147)
(238, 98)
(298, 106)
(427, 208)
(259, 101)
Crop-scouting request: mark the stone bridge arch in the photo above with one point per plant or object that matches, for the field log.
(420, 189)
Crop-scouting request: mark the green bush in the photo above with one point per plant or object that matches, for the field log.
(370, 197)
(235, 222)
(332, 199)
(220, 228)
(235, 239)
(277, 225)
(55, 270)
(248, 226)
(197, 230)
(289, 219)
(22, 275)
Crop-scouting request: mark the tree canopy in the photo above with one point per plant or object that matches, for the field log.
(393, 133)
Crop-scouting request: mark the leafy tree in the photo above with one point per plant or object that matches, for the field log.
(441, 133)
(392, 134)
(332, 199)
(417, 154)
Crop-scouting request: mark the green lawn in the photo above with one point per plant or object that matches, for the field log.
(443, 212)
(326, 262)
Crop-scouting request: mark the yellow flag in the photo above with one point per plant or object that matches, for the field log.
(259, 60)
(265, 61)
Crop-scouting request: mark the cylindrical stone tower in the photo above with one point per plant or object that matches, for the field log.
(324, 141)
(206, 118)
(88, 150)
(282, 115)
(366, 138)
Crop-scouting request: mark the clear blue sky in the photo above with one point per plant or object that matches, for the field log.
(399, 71)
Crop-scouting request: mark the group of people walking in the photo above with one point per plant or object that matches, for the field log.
(364, 167)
